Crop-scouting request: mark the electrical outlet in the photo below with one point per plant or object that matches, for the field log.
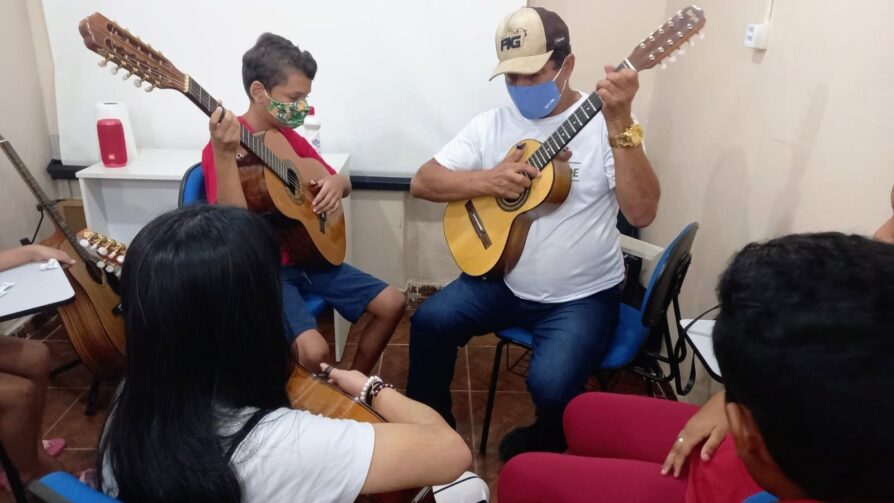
(757, 36)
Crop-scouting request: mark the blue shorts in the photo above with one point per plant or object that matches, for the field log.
(347, 289)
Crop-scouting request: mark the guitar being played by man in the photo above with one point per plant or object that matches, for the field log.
(564, 288)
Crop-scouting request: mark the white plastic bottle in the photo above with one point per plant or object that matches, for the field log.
(312, 129)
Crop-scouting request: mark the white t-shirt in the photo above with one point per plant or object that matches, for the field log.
(293, 455)
(574, 251)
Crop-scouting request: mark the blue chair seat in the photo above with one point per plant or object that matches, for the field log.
(634, 324)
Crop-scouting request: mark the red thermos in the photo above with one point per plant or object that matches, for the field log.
(112, 149)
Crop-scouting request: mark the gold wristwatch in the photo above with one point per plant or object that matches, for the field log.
(629, 138)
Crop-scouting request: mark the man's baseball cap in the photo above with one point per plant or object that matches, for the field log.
(526, 39)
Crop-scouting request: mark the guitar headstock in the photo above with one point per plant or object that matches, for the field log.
(107, 252)
(126, 51)
(668, 38)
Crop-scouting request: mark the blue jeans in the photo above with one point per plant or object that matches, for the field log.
(570, 339)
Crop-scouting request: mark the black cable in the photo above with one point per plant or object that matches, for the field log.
(39, 223)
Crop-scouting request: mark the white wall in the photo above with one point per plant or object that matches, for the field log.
(23, 121)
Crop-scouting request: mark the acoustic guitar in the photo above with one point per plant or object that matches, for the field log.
(277, 185)
(92, 321)
(486, 235)
(311, 393)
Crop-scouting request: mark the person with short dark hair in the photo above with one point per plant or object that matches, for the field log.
(805, 343)
(203, 413)
(278, 76)
(565, 287)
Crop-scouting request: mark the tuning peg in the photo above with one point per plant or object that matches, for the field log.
(137, 82)
(150, 88)
(111, 269)
(102, 250)
(681, 51)
(120, 258)
(672, 59)
(701, 36)
(127, 75)
(84, 243)
(102, 63)
(115, 69)
(663, 65)
(100, 264)
(691, 42)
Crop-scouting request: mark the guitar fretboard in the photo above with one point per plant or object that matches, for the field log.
(566, 131)
(254, 144)
(43, 200)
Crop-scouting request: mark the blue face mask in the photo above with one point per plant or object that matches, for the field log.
(538, 100)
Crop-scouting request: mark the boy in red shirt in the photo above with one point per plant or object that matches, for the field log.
(278, 76)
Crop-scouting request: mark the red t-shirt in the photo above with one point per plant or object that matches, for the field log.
(723, 478)
(299, 145)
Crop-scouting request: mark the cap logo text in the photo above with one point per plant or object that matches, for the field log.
(513, 40)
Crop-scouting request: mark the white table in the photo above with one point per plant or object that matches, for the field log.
(118, 202)
(34, 290)
(641, 249)
(700, 336)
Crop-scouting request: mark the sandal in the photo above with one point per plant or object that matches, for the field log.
(54, 446)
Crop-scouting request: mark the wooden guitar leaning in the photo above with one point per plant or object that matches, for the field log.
(487, 234)
(277, 185)
(94, 328)
(308, 392)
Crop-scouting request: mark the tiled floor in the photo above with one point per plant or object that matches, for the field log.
(64, 416)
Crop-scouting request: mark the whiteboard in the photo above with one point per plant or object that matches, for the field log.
(396, 79)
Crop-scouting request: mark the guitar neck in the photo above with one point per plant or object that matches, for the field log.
(254, 144)
(45, 202)
(562, 136)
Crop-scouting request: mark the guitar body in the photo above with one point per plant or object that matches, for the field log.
(309, 240)
(95, 331)
(307, 392)
(486, 235)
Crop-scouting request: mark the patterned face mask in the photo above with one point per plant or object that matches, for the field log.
(290, 115)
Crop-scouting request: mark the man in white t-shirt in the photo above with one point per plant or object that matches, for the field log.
(564, 288)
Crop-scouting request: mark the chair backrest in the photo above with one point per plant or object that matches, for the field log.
(192, 187)
(667, 278)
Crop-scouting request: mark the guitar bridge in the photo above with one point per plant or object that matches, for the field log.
(477, 224)
(322, 219)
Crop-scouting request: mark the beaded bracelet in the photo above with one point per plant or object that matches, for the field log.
(365, 396)
(374, 385)
(377, 388)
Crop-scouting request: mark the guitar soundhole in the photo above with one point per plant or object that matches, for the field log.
(293, 183)
(507, 204)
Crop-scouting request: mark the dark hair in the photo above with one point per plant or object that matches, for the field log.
(202, 307)
(559, 54)
(270, 60)
(805, 341)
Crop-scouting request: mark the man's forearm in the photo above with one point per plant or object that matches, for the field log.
(636, 185)
(436, 183)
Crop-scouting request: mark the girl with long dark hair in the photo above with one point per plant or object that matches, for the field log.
(203, 415)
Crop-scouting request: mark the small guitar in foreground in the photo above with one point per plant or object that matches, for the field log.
(487, 234)
(278, 185)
